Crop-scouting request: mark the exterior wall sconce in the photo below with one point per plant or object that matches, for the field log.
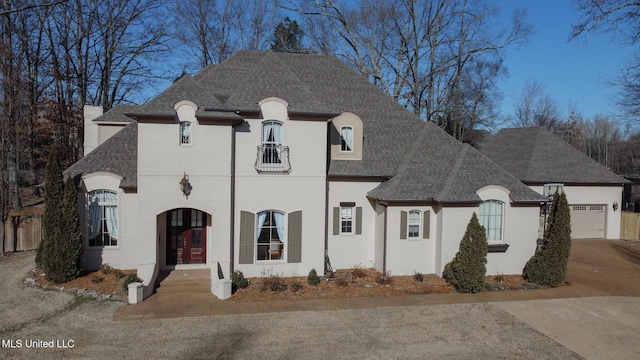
(615, 205)
(185, 186)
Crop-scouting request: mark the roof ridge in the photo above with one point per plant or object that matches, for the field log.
(536, 149)
(454, 170)
(395, 181)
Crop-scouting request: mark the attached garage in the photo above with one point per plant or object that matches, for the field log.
(588, 221)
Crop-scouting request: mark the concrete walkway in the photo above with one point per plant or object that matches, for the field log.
(596, 268)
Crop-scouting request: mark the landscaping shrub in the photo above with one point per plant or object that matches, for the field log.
(418, 276)
(131, 278)
(238, 281)
(105, 268)
(357, 272)
(384, 278)
(296, 286)
(548, 266)
(467, 270)
(341, 282)
(274, 283)
(312, 278)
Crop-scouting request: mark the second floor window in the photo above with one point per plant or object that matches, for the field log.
(185, 133)
(346, 139)
(271, 142)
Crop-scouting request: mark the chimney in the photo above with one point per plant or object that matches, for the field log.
(90, 128)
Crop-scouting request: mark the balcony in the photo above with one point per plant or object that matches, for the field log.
(273, 159)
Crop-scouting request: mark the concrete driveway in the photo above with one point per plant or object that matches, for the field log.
(596, 317)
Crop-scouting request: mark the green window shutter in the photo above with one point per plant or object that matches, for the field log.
(358, 220)
(247, 236)
(336, 221)
(426, 224)
(294, 241)
(403, 224)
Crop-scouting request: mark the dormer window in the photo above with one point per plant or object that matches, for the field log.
(346, 139)
(185, 133)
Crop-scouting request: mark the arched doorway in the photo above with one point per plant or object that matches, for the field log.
(186, 237)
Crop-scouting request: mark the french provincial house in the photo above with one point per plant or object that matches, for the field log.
(545, 163)
(268, 161)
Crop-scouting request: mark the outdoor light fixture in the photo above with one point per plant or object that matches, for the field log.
(615, 205)
(185, 186)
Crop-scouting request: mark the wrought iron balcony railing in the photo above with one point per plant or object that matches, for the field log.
(273, 158)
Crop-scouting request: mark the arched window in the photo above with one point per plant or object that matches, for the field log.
(346, 139)
(491, 217)
(271, 142)
(185, 133)
(102, 219)
(271, 235)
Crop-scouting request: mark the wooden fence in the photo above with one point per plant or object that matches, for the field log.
(27, 235)
(630, 226)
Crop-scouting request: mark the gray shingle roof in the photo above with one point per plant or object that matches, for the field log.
(117, 114)
(119, 155)
(423, 162)
(535, 155)
(441, 169)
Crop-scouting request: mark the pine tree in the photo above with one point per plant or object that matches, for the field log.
(70, 249)
(287, 37)
(52, 215)
(548, 266)
(467, 270)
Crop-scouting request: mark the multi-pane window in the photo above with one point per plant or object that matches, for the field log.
(102, 221)
(491, 217)
(346, 138)
(271, 235)
(185, 133)
(413, 225)
(271, 142)
(346, 220)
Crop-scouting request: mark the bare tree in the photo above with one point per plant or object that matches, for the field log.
(210, 30)
(421, 52)
(535, 107)
(620, 19)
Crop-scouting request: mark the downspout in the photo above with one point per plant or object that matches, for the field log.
(233, 202)
(326, 218)
(384, 242)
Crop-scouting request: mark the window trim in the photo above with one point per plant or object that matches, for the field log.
(282, 237)
(343, 141)
(344, 220)
(103, 220)
(484, 220)
(418, 234)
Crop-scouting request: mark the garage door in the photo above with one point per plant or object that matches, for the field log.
(587, 221)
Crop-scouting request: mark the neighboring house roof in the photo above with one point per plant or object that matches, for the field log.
(119, 155)
(422, 162)
(536, 156)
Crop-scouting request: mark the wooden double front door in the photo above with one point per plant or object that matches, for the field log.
(186, 237)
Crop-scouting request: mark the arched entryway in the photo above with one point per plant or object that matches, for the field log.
(186, 237)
